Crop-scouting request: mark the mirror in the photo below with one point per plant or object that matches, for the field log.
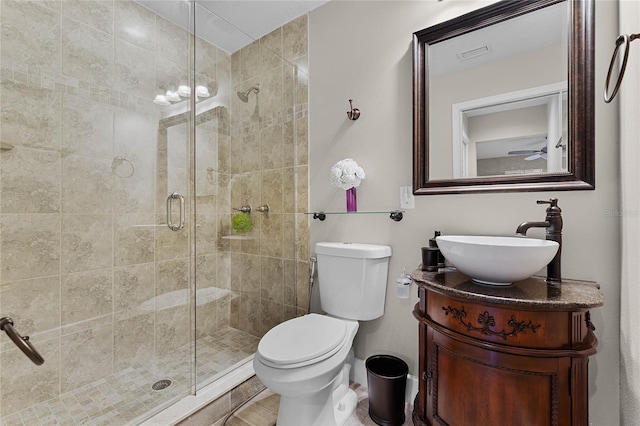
(503, 99)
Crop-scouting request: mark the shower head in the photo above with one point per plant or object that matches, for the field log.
(244, 96)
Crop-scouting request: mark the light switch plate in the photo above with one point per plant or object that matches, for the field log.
(407, 200)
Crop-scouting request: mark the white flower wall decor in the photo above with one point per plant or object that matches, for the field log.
(347, 174)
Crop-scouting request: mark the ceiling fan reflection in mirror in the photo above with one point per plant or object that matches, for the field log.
(534, 154)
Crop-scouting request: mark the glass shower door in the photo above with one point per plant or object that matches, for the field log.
(93, 146)
(250, 168)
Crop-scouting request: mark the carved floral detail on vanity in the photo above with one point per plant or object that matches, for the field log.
(487, 321)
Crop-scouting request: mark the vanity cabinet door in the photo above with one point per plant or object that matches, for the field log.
(420, 403)
(469, 385)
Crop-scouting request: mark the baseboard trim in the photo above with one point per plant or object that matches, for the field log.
(359, 375)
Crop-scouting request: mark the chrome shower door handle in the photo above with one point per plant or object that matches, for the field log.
(21, 342)
(175, 226)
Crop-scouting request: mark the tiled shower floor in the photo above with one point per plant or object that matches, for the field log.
(126, 396)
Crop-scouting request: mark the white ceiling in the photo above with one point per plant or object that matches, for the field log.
(232, 24)
(532, 31)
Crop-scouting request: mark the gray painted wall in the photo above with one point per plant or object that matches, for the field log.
(361, 50)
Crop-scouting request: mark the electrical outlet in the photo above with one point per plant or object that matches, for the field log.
(407, 200)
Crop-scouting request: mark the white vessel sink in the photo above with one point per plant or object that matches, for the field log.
(497, 260)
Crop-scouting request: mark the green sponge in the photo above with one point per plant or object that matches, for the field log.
(241, 223)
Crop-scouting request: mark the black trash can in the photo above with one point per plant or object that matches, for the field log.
(386, 382)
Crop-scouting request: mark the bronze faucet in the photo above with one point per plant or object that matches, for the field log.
(553, 225)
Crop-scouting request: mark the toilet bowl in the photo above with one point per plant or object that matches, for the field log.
(307, 360)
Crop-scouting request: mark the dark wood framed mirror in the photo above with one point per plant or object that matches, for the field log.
(528, 64)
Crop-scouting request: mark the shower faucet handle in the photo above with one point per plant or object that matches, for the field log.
(244, 209)
(263, 208)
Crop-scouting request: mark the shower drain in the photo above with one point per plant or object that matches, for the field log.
(161, 384)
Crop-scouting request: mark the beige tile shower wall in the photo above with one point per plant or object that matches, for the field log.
(83, 249)
(267, 164)
(212, 259)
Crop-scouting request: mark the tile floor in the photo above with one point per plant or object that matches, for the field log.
(263, 411)
(126, 396)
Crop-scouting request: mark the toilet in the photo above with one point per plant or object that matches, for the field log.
(307, 360)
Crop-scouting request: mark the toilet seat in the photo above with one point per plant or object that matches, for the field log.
(302, 341)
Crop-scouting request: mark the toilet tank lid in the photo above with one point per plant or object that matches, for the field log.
(359, 250)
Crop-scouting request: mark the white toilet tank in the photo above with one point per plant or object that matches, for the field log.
(352, 279)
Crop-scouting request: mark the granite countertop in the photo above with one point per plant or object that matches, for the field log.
(533, 292)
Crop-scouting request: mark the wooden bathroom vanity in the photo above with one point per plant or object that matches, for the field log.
(513, 355)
